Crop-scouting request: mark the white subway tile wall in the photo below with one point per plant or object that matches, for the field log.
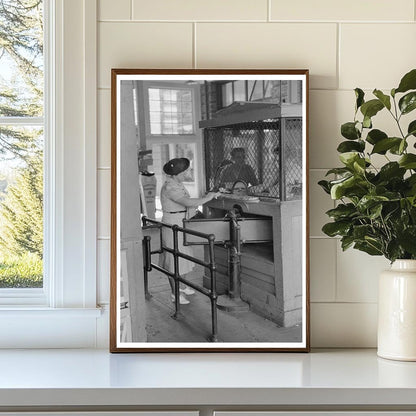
(345, 44)
(367, 50)
(352, 10)
(323, 269)
(144, 45)
(270, 45)
(114, 10)
(200, 10)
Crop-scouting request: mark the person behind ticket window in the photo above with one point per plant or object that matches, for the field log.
(239, 188)
(177, 205)
(238, 170)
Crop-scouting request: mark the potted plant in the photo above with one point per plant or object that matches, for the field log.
(376, 209)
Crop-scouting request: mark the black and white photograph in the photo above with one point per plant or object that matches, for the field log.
(209, 210)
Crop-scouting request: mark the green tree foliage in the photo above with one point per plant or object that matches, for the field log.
(21, 211)
(21, 95)
(21, 79)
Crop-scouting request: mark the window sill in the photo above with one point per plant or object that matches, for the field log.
(39, 311)
(87, 379)
(40, 327)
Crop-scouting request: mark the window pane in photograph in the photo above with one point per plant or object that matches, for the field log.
(21, 144)
(170, 111)
(256, 92)
(239, 91)
(227, 94)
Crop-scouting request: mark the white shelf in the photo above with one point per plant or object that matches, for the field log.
(58, 378)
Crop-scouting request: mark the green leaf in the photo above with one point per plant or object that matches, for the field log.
(338, 189)
(349, 146)
(383, 145)
(371, 108)
(385, 99)
(346, 242)
(368, 248)
(359, 94)
(408, 102)
(375, 136)
(367, 122)
(407, 240)
(369, 201)
(325, 186)
(398, 149)
(411, 130)
(375, 212)
(342, 211)
(361, 231)
(333, 229)
(391, 170)
(338, 171)
(408, 161)
(393, 250)
(359, 165)
(348, 158)
(408, 82)
(349, 131)
(402, 147)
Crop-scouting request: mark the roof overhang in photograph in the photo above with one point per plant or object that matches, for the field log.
(242, 112)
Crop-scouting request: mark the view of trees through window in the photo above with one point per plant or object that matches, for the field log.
(21, 143)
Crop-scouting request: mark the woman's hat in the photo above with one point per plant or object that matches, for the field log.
(176, 166)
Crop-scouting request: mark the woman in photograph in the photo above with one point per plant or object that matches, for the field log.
(177, 205)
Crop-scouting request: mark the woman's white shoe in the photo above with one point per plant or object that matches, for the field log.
(187, 291)
(182, 299)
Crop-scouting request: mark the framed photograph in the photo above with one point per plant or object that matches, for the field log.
(209, 211)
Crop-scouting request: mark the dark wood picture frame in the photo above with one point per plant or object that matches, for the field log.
(288, 305)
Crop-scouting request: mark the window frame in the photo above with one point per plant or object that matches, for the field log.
(37, 296)
(69, 316)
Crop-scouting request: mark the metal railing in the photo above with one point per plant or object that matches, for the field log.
(210, 265)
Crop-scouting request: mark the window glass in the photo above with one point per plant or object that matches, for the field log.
(240, 91)
(227, 94)
(21, 144)
(170, 111)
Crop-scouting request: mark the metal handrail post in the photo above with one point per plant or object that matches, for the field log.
(176, 270)
(147, 265)
(234, 260)
(213, 296)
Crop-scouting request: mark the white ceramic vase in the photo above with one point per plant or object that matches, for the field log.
(397, 312)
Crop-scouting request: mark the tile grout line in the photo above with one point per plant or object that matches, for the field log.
(338, 63)
(336, 271)
(229, 21)
(269, 10)
(131, 10)
(194, 27)
(344, 302)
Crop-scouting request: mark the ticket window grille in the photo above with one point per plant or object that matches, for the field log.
(273, 149)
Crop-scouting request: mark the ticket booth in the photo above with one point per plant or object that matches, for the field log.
(269, 217)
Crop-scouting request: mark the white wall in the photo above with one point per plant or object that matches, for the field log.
(345, 44)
